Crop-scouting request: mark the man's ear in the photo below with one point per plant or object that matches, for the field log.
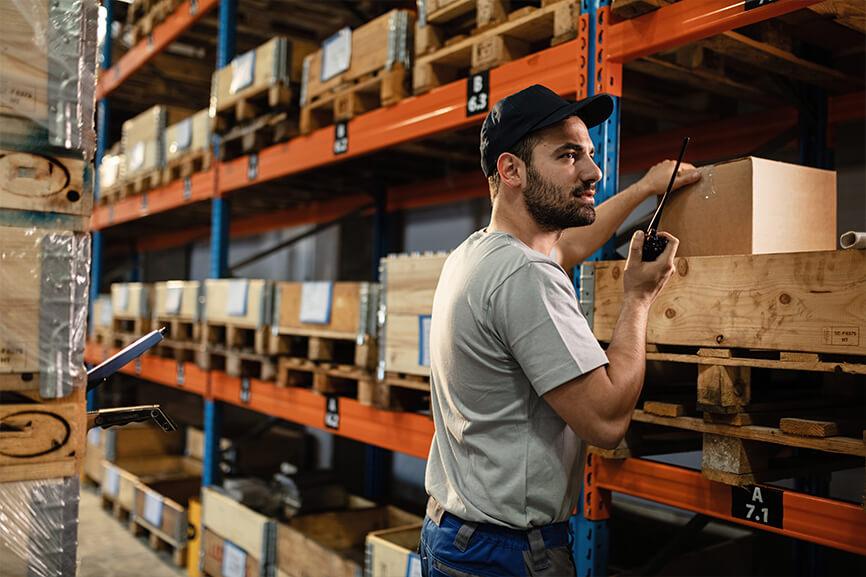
(511, 169)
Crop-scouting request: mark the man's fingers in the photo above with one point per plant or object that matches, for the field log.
(636, 248)
(671, 249)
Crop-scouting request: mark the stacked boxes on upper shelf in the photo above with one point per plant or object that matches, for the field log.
(47, 71)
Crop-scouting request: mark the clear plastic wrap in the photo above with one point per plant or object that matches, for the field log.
(47, 74)
(39, 528)
(44, 279)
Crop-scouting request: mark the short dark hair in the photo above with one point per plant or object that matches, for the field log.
(523, 151)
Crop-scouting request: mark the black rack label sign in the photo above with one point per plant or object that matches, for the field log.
(762, 505)
(245, 390)
(138, 366)
(181, 377)
(187, 188)
(478, 93)
(332, 412)
(252, 166)
(752, 4)
(341, 137)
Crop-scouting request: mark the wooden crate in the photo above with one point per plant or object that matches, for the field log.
(237, 318)
(131, 300)
(43, 307)
(144, 146)
(767, 207)
(409, 282)
(335, 315)
(160, 510)
(376, 75)
(120, 477)
(393, 551)
(187, 147)
(178, 305)
(253, 534)
(102, 319)
(529, 29)
(220, 553)
(122, 443)
(332, 544)
(45, 183)
(42, 439)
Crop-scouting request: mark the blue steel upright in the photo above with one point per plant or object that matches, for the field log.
(219, 253)
(591, 544)
(102, 119)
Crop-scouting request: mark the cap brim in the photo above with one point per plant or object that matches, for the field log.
(592, 111)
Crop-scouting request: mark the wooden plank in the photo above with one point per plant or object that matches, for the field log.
(214, 548)
(447, 11)
(345, 316)
(808, 428)
(410, 282)
(724, 389)
(664, 409)
(242, 526)
(808, 302)
(402, 345)
(819, 366)
(850, 13)
(45, 183)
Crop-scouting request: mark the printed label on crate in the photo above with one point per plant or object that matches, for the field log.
(752, 4)
(20, 99)
(758, 504)
(413, 565)
(842, 336)
(104, 314)
(93, 436)
(111, 482)
(12, 355)
(136, 156)
(234, 560)
(336, 54)
(243, 69)
(173, 297)
(478, 93)
(236, 306)
(424, 340)
(316, 302)
(183, 136)
(152, 509)
(122, 298)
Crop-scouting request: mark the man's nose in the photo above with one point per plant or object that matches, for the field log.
(591, 173)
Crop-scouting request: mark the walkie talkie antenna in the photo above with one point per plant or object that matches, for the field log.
(654, 223)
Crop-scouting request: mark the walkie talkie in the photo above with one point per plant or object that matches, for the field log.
(653, 244)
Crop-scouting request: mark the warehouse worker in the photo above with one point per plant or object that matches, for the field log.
(518, 382)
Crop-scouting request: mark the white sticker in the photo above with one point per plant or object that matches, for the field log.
(93, 436)
(237, 302)
(234, 561)
(152, 509)
(122, 298)
(242, 71)
(111, 482)
(136, 156)
(173, 297)
(424, 340)
(105, 315)
(183, 136)
(413, 565)
(336, 54)
(316, 302)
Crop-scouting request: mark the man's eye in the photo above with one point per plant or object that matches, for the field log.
(569, 155)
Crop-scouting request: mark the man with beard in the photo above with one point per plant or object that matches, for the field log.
(518, 382)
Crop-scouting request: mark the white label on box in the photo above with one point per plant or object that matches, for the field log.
(173, 297)
(243, 68)
(104, 315)
(237, 301)
(413, 565)
(122, 298)
(316, 302)
(424, 340)
(93, 436)
(19, 98)
(183, 138)
(234, 560)
(152, 509)
(136, 156)
(336, 54)
(111, 483)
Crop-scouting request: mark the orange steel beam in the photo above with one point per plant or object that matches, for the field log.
(408, 433)
(440, 110)
(184, 376)
(164, 34)
(824, 521)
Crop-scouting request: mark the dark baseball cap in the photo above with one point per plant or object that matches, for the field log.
(529, 110)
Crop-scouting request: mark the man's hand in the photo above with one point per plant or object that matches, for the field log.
(655, 181)
(643, 281)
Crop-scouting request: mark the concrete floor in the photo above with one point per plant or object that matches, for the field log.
(106, 548)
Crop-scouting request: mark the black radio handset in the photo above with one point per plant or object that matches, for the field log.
(653, 244)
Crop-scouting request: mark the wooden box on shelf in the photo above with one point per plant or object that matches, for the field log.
(143, 141)
(120, 478)
(251, 533)
(160, 508)
(754, 206)
(238, 302)
(121, 443)
(393, 551)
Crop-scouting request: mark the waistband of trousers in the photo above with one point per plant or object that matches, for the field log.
(554, 534)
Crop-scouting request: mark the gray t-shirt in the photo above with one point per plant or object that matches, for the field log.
(505, 329)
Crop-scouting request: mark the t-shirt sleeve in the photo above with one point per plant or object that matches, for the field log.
(536, 315)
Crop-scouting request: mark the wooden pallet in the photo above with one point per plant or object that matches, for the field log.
(186, 165)
(135, 326)
(237, 363)
(230, 337)
(403, 392)
(118, 511)
(181, 330)
(180, 351)
(327, 378)
(525, 31)
(158, 540)
(111, 194)
(336, 350)
(102, 335)
(263, 131)
(149, 15)
(270, 99)
(375, 90)
(131, 186)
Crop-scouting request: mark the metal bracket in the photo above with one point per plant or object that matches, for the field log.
(587, 292)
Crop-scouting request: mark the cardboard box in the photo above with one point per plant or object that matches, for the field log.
(191, 134)
(409, 283)
(143, 138)
(393, 552)
(754, 206)
(131, 300)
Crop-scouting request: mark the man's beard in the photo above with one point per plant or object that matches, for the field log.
(554, 208)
